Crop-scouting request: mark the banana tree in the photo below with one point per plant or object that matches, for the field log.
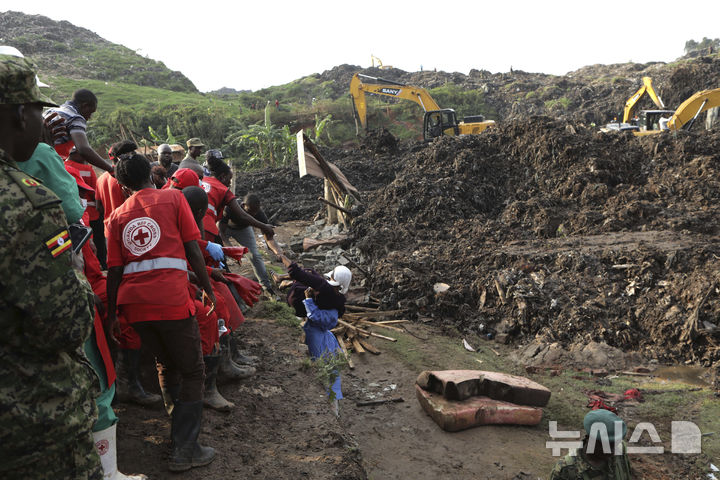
(268, 145)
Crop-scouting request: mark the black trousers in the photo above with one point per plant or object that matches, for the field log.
(178, 354)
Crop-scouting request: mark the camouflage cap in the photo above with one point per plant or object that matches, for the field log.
(18, 84)
(195, 142)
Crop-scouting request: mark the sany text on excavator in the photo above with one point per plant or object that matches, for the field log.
(437, 122)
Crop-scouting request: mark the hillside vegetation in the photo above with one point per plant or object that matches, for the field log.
(61, 48)
(137, 94)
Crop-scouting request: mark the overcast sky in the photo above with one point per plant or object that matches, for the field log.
(256, 44)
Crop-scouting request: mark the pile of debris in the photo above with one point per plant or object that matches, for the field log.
(546, 229)
(285, 196)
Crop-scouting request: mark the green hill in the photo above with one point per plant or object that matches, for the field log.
(62, 49)
(137, 94)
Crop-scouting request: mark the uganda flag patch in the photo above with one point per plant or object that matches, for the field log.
(59, 242)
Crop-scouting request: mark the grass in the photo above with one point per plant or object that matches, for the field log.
(281, 312)
(562, 102)
(664, 401)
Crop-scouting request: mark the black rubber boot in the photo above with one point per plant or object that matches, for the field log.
(129, 388)
(211, 397)
(238, 356)
(186, 451)
(229, 370)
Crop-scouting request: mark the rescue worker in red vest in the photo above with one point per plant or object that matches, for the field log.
(87, 172)
(108, 193)
(108, 197)
(151, 239)
(217, 186)
(75, 114)
(98, 352)
(216, 355)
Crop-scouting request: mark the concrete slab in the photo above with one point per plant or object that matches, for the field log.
(464, 384)
(453, 416)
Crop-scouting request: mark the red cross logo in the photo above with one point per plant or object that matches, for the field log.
(102, 446)
(141, 236)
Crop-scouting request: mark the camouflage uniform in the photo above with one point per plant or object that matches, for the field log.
(46, 383)
(578, 468)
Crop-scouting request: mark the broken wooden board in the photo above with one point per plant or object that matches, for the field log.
(453, 416)
(463, 384)
(309, 243)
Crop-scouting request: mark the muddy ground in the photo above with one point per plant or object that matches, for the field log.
(567, 247)
(282, 426)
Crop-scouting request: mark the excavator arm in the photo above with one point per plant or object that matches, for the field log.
(635, 98)
(689, 110)
(358, 89)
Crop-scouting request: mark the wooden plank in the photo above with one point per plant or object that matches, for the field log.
(358, 308)
(369, 347)
(370, 403)
(338, 207)
(365, 332)
(357, 346)
(383, 313)
(345, 352)
(382, 325)
(376, 335)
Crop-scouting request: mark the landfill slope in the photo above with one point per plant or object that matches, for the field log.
(552, 232)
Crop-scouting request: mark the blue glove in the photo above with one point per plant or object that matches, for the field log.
(215, 251)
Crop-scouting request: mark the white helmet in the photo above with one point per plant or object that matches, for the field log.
(341, 276)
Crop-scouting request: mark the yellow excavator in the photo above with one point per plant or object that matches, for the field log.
(681, 119)
(646, 116)
(379, 65)
(437, 122)
(647, 87)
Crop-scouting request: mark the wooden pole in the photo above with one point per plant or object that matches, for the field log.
(332, 216)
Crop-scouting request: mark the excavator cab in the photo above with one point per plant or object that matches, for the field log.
(440, 122)
(650, 119)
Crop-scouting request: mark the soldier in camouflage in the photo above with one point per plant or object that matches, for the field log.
(47, 386)
(596, 460)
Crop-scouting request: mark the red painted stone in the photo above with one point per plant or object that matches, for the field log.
(464, 384)
(453, 416)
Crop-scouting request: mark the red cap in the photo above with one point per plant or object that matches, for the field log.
(78, 178)
(184, 178)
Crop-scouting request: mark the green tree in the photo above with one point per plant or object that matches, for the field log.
(705, 44)
(267, 144)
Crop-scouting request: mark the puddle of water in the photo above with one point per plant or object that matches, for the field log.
(691, 375)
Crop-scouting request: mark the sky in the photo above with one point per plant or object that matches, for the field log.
(249, 45)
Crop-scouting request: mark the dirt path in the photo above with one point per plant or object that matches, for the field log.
(281, 427)
(399, 441)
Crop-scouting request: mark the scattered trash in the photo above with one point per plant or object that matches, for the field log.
(441, 287)
(468, 347)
